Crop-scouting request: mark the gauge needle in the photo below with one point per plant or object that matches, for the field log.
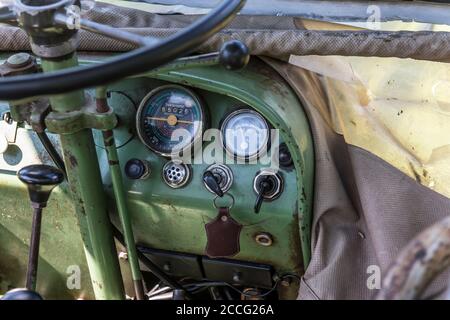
(171, 120)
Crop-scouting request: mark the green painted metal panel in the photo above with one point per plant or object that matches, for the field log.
(170, 219)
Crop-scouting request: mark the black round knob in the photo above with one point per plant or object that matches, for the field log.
(234, 55)
(136, 169)
(21, 294)
(40, 180)
(285, 157)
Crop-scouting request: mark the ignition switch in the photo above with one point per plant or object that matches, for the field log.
(268, 186)
(218, 179)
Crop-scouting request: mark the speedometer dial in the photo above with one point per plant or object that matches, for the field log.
(170, 119)
(245, 134)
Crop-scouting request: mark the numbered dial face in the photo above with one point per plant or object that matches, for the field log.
(245, 134)
(170, 119)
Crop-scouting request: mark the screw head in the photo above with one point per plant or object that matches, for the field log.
(123, 255)
(237, 277)
(285, 282)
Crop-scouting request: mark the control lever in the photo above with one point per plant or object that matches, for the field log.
(268, 185)
(40, 180)
(264, 187)
(212, 182)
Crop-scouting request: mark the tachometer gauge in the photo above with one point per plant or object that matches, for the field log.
(170, 119)
(245, 134)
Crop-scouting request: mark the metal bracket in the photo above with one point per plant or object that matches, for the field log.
(85, 118)
(39, 110)
(8, 132)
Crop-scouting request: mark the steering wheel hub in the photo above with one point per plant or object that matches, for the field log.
(48, 38)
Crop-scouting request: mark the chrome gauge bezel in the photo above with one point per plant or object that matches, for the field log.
(197, 137)
(223, 126)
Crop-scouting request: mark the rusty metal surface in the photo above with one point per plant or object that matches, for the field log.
(424, 258)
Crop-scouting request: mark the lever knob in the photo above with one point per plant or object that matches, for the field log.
(234, 55)
(211, 181)
(264, 187)
(21, 294)
(40, 180)
(268, 185)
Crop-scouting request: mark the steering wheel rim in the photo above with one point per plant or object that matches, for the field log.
(127, 64)
(425, 257)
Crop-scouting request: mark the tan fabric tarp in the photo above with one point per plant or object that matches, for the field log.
(365, 209)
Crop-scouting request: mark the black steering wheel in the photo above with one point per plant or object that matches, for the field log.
(151, 55)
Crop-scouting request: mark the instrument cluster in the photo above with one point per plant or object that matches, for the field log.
(173, 121)
(171, 118)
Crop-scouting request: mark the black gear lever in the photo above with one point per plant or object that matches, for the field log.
(40, 180)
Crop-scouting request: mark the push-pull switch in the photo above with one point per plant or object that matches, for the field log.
(268, 185)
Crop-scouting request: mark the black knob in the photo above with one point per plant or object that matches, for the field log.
(234, 55)
(136, 169)
(212, 182)
(285, 157)
(21, 294)
(40, 180)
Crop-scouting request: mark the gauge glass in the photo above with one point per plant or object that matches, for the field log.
(170, 119)
(245, 134)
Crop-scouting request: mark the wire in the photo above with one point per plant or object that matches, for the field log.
(198, 287)
(150, 265)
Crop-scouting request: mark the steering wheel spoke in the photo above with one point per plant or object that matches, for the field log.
(108, 31)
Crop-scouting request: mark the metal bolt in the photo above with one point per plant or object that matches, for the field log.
(123, 255)
(237, 277)
(18, 60)
(166, 267)
(286, 282)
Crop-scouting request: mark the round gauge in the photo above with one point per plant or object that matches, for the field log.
(245, 134)
(170, 119)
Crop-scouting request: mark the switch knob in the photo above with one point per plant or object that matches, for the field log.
(268, 186)
(136, 169)
(218, 179)
(234, 55)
